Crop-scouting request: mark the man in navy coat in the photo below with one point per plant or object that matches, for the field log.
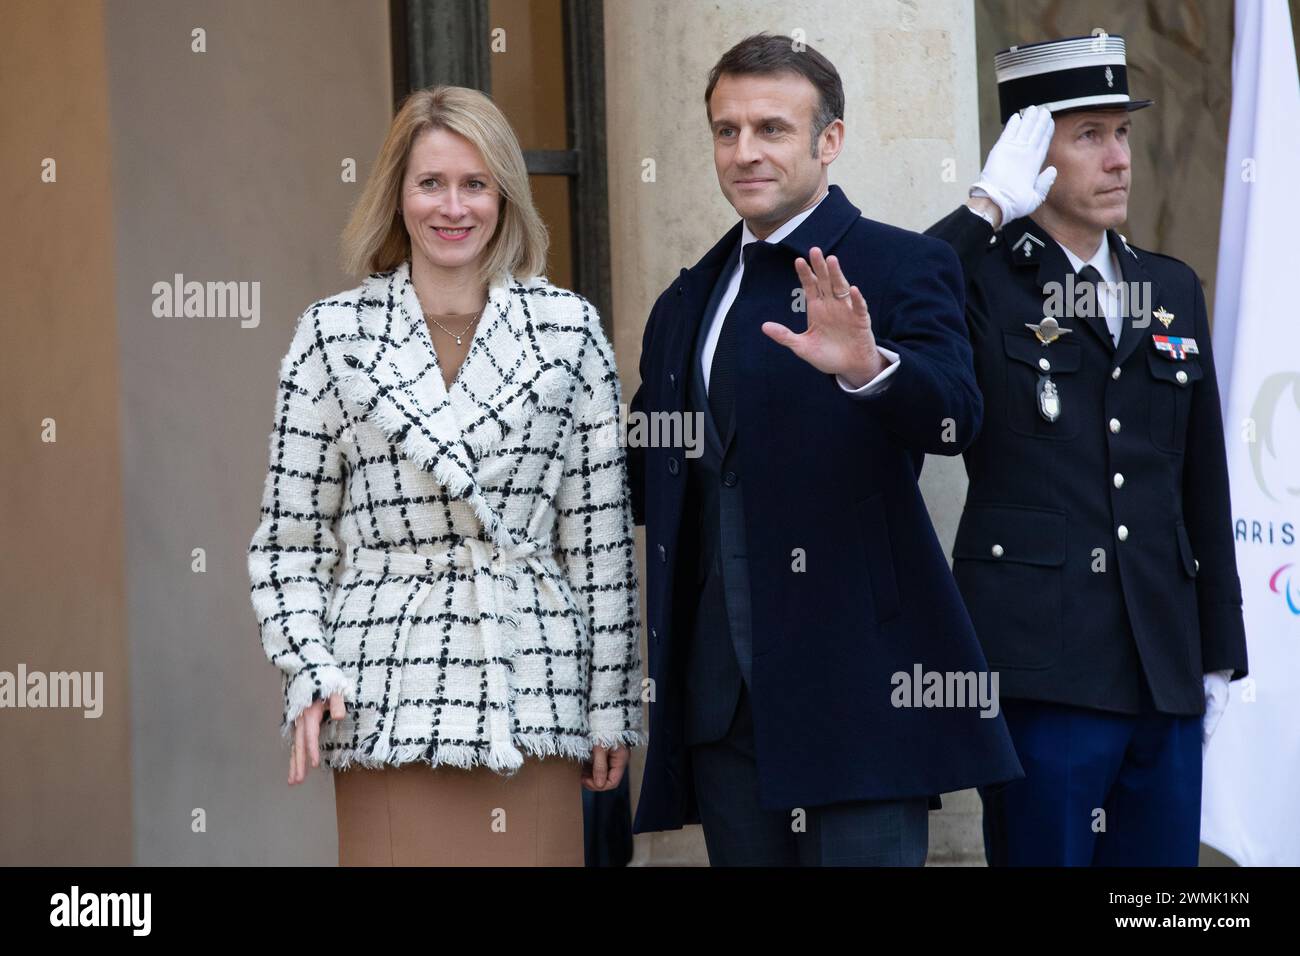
(816, 678)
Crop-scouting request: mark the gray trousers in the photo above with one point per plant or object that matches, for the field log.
(738, 832)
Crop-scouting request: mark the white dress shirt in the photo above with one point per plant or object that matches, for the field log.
(1103, 260)
(733, 288)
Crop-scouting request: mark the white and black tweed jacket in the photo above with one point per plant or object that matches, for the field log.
(481, 536)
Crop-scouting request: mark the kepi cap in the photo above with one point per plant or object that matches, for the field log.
(1076, 73)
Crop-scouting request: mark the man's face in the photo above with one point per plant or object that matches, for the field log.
(1090, 151)
(763, 144)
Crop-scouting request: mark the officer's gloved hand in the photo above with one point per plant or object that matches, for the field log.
(1013, 176)
(1216, 699)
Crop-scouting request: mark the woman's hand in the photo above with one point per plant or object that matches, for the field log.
(306, 736)
(605, 769)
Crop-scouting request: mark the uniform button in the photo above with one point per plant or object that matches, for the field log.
(672, 379)
(663, 555)
(1114, 373)
(1119, 480)
(1045, 365)
(997, 551)
(1114, 426)
(1182, 377)
(1121, 532)
(730, 479)
(1196, 564)
(672, 466)
(654, 634)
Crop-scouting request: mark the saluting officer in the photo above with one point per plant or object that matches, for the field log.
(1095, 550)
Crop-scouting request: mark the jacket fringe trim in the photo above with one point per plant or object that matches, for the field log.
(568, 746)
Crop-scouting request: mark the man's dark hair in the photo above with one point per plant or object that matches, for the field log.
(764, 54)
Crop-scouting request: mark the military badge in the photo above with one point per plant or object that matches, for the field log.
(1048, 330)
(1025, 245)
(1049, 399)
(1175, 348)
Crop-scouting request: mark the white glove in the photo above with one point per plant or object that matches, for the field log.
(1216, 699)
(1011, 176)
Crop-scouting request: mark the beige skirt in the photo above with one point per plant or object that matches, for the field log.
(417, 815)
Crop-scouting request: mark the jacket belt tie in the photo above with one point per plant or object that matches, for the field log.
(492, 569)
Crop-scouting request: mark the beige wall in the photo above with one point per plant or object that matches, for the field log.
(227, 167)
(219, 165)
(65, 782)
(911, 116)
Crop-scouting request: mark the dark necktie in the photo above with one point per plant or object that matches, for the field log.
(722, 373)
(1090, 275)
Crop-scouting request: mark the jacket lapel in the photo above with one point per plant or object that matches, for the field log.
(694, 376)
(389, 369)
(698, 294)
(825, 226)
(1136, 278)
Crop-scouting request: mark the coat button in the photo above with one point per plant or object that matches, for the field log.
(1045, 365)
(1182, 377)
(730, 479)
(1196, 564)
(1114, 373)
(672, 466)
(1121, 532)
(654, 635)
(672, 379)
(663, 555)
(1114, 426)
(997, 551)
(1119, 480)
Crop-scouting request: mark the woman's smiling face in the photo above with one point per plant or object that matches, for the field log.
(450, 203)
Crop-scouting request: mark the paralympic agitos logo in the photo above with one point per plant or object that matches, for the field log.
(1280, 583)
(1285, 581)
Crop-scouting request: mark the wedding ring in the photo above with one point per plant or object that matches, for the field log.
(843, 295)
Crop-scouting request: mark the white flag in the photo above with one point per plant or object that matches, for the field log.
(1251, 798)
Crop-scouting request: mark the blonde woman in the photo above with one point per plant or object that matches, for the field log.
(442, 445)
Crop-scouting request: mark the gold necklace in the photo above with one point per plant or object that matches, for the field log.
(455, 335)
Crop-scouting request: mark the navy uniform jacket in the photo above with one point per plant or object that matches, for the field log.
(1098, 546)
(832, 477)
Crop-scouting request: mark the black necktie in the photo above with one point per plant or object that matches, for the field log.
(722, 373)
(1090, 275)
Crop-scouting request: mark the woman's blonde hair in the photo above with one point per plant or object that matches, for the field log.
(375, 238)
